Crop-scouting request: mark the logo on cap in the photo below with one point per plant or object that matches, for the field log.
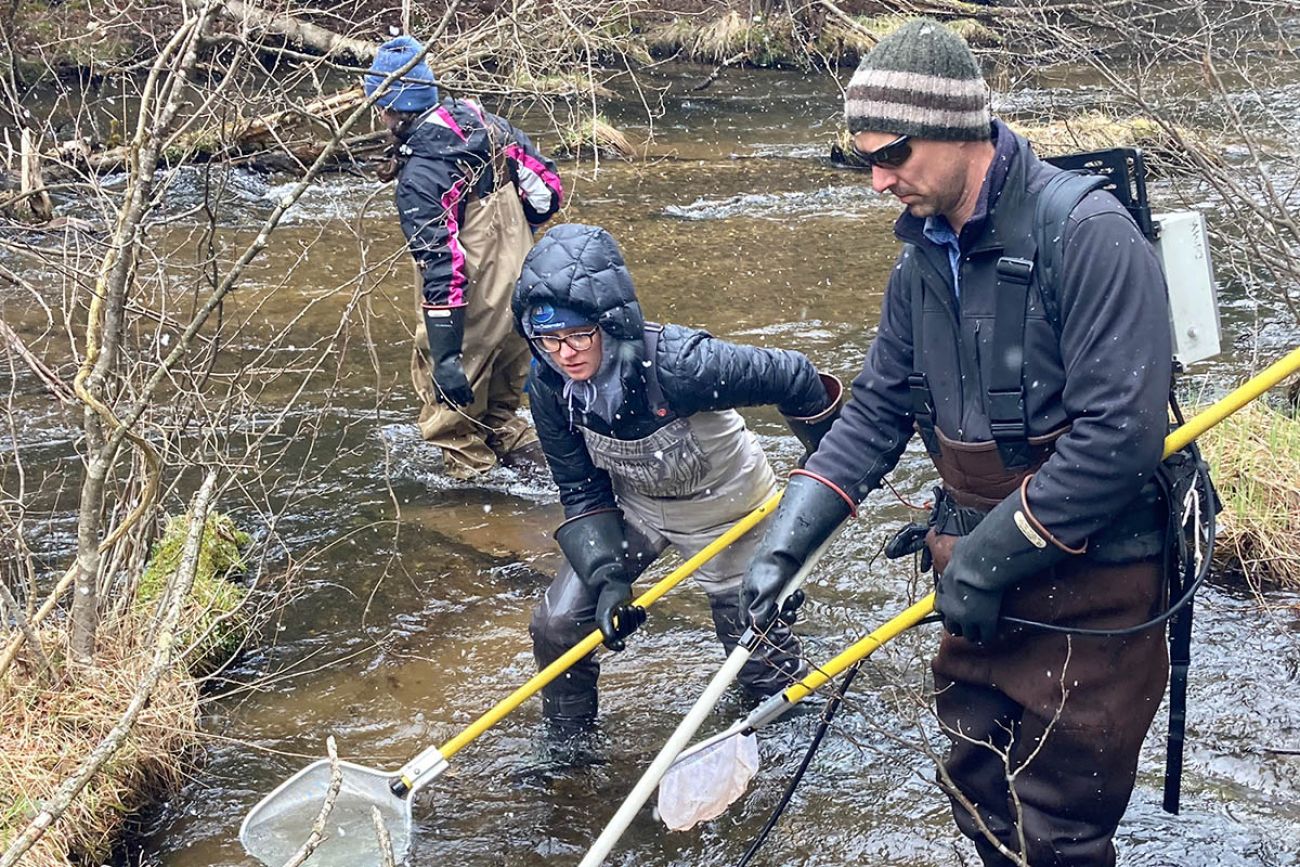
(543, 313)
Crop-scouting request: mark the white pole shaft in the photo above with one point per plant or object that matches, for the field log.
(650, 779)
(689, 726)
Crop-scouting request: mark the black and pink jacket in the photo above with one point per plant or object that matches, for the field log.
(445, 152)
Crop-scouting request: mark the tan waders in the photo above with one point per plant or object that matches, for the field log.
(1068, 713)
(495, 239)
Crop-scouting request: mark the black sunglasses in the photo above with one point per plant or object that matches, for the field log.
(887, 156)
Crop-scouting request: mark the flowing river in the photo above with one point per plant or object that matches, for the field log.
(409, 617)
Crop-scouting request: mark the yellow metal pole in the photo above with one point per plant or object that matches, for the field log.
(1195, 426)
(592, 641)
(1217, 412)
(860, 649)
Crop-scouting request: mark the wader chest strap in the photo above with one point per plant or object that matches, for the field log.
(918, 384)
(1006, 391)
(654, 392)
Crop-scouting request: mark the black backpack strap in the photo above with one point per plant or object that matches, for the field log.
(1005, 400)
(654, 392)
(918, 383)
(1041, 266)
(1056, 202)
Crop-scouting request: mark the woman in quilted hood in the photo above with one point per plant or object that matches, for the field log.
(639, 426)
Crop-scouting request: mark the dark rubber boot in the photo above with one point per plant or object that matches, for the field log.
(561, 620)
(774, 665)
(528, 457)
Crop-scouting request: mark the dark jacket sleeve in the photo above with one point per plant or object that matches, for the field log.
(1116, 351)
(431, 196)
(700, 373)
(584, 487)
(873, 428)
(534, 175)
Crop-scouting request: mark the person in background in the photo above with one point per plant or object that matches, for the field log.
(1046, 427)
(639, 426)
(471, 190)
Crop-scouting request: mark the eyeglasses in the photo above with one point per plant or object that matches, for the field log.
(888, 156)
(578, 341)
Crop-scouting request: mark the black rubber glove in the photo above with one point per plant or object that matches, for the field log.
(446, 330)
(594, 545)
(809, 430)
(809, 512)
(1003, 549)
(616, 616)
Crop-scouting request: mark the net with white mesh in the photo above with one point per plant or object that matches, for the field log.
(278, 826)
(700, 787)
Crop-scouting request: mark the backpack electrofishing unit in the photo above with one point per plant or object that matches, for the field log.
(1182, 245)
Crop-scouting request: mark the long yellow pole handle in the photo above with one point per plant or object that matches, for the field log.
(1195, 426)
(859, 650)
(1217, 412)
(592, 641)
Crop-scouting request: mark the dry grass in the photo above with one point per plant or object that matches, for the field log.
(1254, 458)
(848, 42)
(50, 721)
(1095, 130)
(729, 37)
(50, 724)
(594, 134)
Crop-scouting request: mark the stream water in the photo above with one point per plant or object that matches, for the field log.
(411, 617)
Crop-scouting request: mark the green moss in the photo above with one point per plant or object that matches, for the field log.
(215, 617)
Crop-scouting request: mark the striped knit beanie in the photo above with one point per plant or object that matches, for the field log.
(921, 80)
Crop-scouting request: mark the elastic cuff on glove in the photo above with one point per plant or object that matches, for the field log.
(853, 507)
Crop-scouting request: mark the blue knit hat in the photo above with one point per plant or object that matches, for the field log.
(545, 318)
(414, 91)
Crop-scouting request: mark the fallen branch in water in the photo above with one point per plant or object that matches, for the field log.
(305, 34)
(317, 835)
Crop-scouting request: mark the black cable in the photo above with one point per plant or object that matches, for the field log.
(1208, 509)
(822, 727)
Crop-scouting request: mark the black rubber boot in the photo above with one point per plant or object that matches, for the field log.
(561, 620)
(528, 457)
(774, 665)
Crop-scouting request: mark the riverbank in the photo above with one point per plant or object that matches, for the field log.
(1254, 456)
(58, 719)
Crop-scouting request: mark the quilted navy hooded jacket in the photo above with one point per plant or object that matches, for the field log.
(581, 268)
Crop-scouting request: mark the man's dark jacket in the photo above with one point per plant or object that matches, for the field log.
(580, 267)
(1106, 377)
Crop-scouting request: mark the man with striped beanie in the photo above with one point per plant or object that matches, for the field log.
(1042, 402)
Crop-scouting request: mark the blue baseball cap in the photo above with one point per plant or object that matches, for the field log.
(545, 318)
(417, 90)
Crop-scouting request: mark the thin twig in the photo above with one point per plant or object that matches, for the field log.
(317, 835)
